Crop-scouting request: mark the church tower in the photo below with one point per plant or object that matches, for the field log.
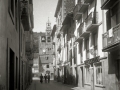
(48, 27)
(46, 51)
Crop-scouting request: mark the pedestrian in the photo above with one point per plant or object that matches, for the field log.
(45, 77)
(41, 78)
(48, 77)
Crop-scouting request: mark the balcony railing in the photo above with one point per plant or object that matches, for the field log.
(77, 14)
(91, 22)
(111, 38)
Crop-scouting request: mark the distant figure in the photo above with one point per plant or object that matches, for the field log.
(41, 78)
(48, 77)
(45, 77)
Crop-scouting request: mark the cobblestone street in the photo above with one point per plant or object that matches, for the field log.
(36, 85)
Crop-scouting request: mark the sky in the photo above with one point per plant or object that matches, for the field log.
(42, 9)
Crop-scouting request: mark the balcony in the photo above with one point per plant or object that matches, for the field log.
(78, 39)
(111, 39)
(82, 30)
(108, 3)
(92, 60)
(88, 1)
(91, 23)
(25, 15)
(68, 19)
(83, 7)
(77, 14)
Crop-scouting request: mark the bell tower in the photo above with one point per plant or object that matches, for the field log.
(48, 27)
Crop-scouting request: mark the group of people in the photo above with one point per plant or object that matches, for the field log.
(46, 78)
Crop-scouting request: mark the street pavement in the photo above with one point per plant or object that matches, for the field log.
(53, 85)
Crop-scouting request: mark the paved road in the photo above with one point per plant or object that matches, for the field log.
(36, 85)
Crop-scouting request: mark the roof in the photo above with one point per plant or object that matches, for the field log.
(58, 7)
(53, 31)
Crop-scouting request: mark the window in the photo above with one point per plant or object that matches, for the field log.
(112, 16)
(48, 39)
(98, 74)
(75, 54)
(47, 66)
(43, 39)
(46, 58)
(108, 20)
(87, 76)
(95, 38)
(87, 48)
(81, 51)
(115, 14)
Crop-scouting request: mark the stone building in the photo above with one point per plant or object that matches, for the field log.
(15, 63)
(90, 39)
(46, 51)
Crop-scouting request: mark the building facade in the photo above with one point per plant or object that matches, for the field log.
(15, 72)
(89, 38)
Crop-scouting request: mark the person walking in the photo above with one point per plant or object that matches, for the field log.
(48, 77)
(45, 77)
(41, 78)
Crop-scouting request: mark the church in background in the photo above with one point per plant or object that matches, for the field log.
(46, 51)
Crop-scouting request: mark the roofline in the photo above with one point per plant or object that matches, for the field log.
(58, 7)
(54, 29)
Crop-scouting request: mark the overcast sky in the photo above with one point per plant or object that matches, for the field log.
(43, 9)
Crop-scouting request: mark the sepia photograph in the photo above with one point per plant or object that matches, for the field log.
(59, 44)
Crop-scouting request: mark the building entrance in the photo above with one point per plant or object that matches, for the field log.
(11, 70)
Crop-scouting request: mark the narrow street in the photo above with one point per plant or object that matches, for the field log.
(53, 85)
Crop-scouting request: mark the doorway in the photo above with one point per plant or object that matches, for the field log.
(11, 70)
